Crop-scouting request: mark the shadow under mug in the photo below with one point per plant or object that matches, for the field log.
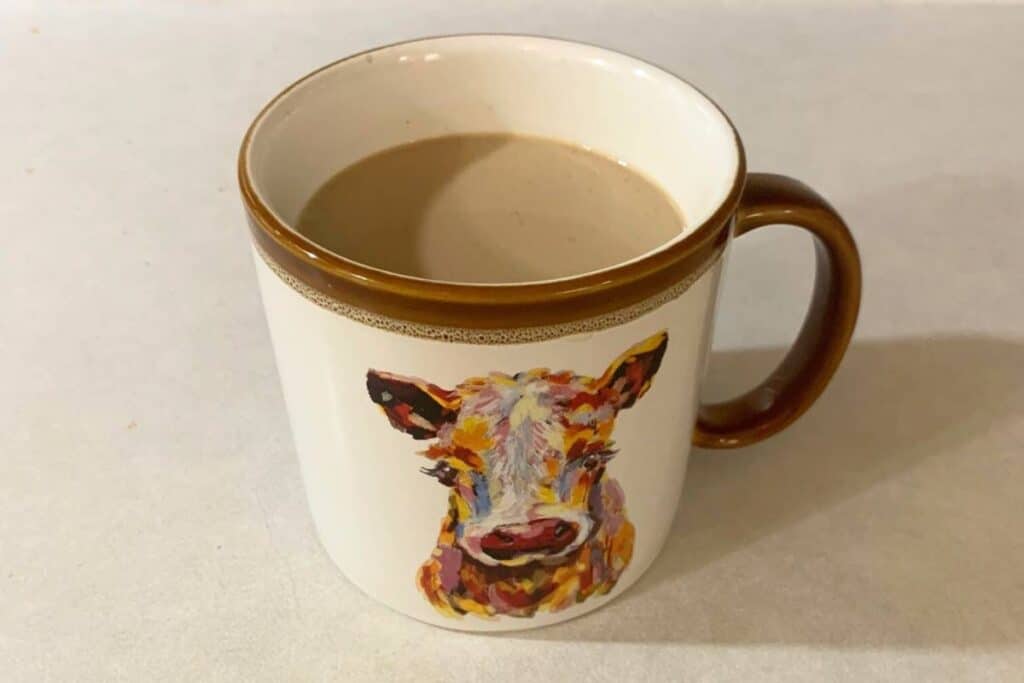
(553, 419)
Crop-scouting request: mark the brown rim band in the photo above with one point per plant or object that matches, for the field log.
(484, 307)
(508, 335)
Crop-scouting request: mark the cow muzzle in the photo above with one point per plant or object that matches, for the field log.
(547, 536)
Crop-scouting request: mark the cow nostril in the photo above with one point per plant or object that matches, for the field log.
(503, 536)
(562, 529)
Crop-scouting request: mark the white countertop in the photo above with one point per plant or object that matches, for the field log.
(152, 520)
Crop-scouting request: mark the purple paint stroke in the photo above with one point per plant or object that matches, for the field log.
(450, 560)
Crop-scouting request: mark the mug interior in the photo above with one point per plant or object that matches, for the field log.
(616, 105)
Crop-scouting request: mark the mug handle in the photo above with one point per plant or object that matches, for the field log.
(794, 385)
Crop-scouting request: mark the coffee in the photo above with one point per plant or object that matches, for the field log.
(490, 208)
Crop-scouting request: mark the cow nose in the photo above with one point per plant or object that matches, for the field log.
(549, 535)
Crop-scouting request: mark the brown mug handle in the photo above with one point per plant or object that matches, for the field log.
(805, 371)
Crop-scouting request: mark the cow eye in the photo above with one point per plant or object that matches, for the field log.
(443, 472)
(595, 460)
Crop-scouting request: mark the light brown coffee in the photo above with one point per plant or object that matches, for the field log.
(493, 208)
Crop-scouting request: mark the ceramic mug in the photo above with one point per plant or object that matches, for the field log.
(552, 419)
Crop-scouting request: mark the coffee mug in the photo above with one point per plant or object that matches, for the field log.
(552, 419)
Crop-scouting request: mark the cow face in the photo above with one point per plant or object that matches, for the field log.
(522, 454)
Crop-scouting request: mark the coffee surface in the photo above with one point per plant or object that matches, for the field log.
(490, 208)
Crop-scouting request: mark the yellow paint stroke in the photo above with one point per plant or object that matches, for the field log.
(472, 434)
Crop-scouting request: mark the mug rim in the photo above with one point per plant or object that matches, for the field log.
(476, 305)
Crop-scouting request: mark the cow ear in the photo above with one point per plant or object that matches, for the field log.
(412, 406)
(630, 375)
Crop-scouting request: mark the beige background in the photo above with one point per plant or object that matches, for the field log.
(152, 523)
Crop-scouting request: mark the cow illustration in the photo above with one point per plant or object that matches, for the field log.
(534, 522)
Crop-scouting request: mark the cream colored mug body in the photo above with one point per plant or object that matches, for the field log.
(497, 457)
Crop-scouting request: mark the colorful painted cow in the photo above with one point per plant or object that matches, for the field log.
(534, 522)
